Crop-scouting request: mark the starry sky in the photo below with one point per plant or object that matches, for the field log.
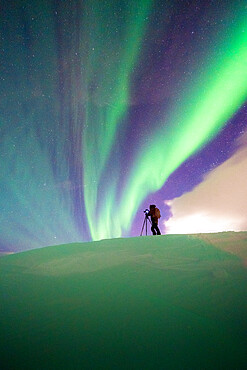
(108, 106)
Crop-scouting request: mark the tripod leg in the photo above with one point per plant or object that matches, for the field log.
(146, 226)
(143, 227)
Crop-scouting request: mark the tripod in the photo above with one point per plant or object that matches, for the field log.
(145, 223)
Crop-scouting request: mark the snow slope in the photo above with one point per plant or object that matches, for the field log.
(165, 302)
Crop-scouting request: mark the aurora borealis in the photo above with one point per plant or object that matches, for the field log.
(107, 106)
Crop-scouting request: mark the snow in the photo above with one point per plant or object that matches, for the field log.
(175, 301)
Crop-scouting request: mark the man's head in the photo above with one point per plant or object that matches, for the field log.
(152, 206)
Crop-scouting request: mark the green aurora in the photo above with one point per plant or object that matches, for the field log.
(70, 168)
(105, 111)
(205, 105)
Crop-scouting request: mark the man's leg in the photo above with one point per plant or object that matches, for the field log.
(158, 230)
(153, 229)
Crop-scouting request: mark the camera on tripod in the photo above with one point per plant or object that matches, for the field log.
(146, 219)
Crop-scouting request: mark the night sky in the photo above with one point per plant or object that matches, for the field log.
(108, 106)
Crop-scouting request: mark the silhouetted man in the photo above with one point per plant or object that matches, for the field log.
(154, 212)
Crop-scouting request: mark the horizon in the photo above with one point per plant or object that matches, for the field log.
(149, 236)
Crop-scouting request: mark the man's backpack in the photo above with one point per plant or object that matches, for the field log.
(157, 212)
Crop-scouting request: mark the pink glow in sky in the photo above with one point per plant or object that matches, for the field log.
(219, 203)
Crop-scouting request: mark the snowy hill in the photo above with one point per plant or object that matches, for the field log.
(166, 302)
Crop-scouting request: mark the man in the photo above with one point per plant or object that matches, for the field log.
(154, 212)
